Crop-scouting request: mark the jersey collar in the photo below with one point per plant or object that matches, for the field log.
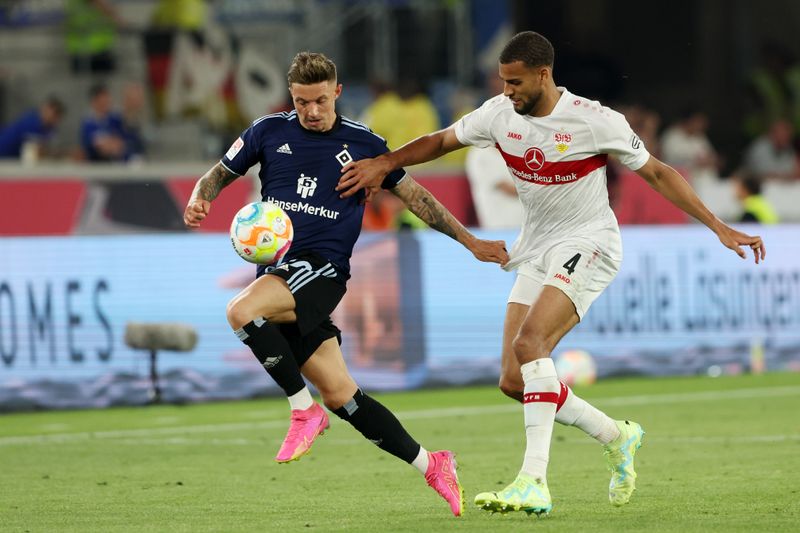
(336, 125)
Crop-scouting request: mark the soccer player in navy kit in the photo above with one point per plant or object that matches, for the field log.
(284, 315)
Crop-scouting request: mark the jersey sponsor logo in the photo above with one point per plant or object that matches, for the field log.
(550, 172)
(305, 207)
(534, 158)
(514, 135)
(344, 157)
(284, 149)
(636, 142)
(562, 141)
(235, 148)
(306, 185)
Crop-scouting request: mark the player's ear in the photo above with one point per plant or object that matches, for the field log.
(544, 73)
(338, 90)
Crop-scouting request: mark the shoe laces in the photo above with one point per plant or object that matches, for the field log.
(296, 424)
(521, 484)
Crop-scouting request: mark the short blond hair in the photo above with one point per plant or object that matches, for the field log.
(311, 67)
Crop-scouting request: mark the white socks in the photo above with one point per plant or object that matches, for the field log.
(539, 404)
(421, 462)
(579, 413)
(301, 400)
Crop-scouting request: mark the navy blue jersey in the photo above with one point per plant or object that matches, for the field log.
(299, 172)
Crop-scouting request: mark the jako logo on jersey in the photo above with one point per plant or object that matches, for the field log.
(514, 135)
(562, 141)
(306, 185)
(534, 158)
(562, 277)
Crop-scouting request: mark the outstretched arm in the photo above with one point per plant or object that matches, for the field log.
(671, 185)
(422, 203)
(370, 172)
(207, 188)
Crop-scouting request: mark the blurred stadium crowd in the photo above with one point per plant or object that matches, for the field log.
(141, 82)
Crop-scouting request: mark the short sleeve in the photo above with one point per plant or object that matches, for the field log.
(243, 153)
(614, 136)
(473, 128)
(394, 177)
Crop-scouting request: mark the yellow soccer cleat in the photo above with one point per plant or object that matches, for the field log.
(526, 493)
(619, 456)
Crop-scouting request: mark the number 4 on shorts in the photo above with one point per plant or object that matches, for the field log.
(572, 263)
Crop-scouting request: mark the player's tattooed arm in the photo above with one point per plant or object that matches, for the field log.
(423, 204)
(205, 191)
(209, 186)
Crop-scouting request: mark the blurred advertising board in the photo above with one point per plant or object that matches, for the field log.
(681, 304)
(419, 311)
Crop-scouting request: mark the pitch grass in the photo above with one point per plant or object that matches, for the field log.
(719, 455)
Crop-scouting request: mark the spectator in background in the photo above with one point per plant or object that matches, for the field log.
(493, 191)
(169, 18)
(685, 146)
(773, 90)
(34, 127)
(402, 115)
(133, 104)
(91, 31)
(103, 133)
(772, 155)
(380, 213)
(755, 207)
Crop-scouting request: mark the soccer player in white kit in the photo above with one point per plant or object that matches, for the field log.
(556, 144)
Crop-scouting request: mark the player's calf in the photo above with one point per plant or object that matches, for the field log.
(382, 428)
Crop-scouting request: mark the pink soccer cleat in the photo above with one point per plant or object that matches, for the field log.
(305, 426)
(442, 477)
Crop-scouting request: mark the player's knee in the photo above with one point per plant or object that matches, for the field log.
(529, 346)
(335, 394)
(239, 313)
(512, 388)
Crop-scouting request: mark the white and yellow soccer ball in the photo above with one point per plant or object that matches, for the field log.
(261, 233)
(576, 367)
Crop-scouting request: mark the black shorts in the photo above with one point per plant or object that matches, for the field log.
(317, 286)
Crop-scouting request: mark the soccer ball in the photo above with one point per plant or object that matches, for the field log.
(261, 233)
(576, 367)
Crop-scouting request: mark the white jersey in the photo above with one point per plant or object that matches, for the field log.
(558, 163)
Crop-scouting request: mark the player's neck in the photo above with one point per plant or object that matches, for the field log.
(547, 102)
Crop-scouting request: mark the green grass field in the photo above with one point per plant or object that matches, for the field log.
(719, 455)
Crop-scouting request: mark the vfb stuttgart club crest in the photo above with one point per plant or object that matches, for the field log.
(562, 141)
(534, 159)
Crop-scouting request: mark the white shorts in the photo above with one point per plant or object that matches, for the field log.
(581, 267)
